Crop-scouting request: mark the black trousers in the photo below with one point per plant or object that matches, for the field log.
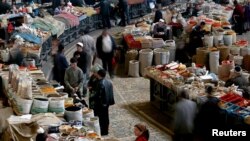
(103, 113)
(106, 21)
(107, 63)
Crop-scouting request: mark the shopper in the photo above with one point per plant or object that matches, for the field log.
(104, 98)
(141, 132)
(105, 13)
(92, 83)
(237, 78)
(185, 113)
(60, 65)
(210, 116)
(124, 11)
(247, 16)
(82, 57)
(238, 18)
(158, 14)
(73, 79)
(106, 47)
(89, 47)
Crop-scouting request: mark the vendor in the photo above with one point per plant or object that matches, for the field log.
(24, 58)
(196, 38)
(59, 9)
(160, 30)
(237, 78)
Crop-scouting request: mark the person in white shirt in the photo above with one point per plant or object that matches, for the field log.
(106, 46)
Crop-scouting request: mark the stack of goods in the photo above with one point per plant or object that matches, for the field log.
(37, 32)
(89, 11)
(31, 93)
(146, 41)
(45, 25)
(59, 25)
(67, 18)
(131, 42)
(170, 74)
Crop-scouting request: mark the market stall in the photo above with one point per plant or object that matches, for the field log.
(39, 103)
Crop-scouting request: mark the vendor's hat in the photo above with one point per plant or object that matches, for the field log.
(96, 68)
(80, 44)
(161, 20)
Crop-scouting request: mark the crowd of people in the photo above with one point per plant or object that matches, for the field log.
(81, 75)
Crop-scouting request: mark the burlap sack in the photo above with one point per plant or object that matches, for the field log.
(130, 55)
(246, 62)
(224, 53)
(224, 69)
(202, 55)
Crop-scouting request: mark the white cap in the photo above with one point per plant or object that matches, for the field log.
(80, 44)
(161, 20)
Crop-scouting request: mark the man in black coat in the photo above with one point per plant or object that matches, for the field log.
(106, 46)
(105, 13)
(124, 10)
(104, 98)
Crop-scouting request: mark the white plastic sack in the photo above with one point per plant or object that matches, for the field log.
(56, 105)
(134, 68)
(208, 40)
(145, 59)
(24, 105)
(40, 105)
(217, 39)
(244, 51)
(214, 61)
(228, 39)
(161, 56)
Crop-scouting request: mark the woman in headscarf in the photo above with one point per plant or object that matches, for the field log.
(247, 16)
(238, 16)
(141, 131)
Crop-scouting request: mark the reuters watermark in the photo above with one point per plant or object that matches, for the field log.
(230, 133)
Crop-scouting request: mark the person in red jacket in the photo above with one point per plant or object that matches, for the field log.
(141, 132)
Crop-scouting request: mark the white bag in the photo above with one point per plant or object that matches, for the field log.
(40, 105)
(5, 55)
(24, 105)
(56, 105)
(146, 59)
(161, 56)
(214, 61)
(134, 68)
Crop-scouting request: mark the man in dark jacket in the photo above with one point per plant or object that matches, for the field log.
(158, 14)
(105, 13)
(106, 46)
(82, 57)
(60, 65)
(124, 10)
(104, 97)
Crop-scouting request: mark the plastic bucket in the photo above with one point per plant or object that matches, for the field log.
(73, 113)
(161, 56)
(146, 59)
